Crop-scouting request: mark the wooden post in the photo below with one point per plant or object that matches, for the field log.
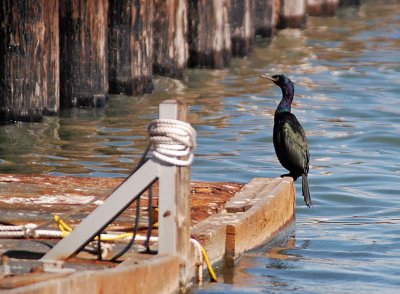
(130, 51)
(322, 7)
(170, 44)
(242, 26)
(209, 34)
(29, 60)
(292, 14)
(83, 52)
(263, 18)
(174, 205)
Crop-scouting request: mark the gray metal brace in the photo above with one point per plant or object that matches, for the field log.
(123, 196)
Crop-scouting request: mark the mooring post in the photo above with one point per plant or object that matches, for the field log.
(174, 207)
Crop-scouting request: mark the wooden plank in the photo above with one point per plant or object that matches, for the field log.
(134, 279)
(28, 279)
(244, 199)
(211, 233)
(252, 217)
(261, 222)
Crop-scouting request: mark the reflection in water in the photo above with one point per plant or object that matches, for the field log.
(278, 253)
(346, 69)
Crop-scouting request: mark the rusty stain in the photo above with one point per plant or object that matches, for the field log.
(206, 198)
(23, 197)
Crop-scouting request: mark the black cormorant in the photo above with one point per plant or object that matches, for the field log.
(290, 140)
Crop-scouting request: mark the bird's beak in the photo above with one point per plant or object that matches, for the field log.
(268, 78)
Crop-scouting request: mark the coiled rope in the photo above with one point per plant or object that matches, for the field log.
(172, 142)
(171, 139)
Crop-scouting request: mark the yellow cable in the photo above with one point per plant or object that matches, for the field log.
(65, 233)
(66, 229)
(115, 237)
(213, 276)
(155, 225)
(63, 226)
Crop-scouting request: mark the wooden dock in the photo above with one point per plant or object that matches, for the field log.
(228, 219)
(153, 223)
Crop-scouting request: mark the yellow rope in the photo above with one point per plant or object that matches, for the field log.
(115, 237)
(66, 229)
(63, 226)
(213, 276)
(155, 225)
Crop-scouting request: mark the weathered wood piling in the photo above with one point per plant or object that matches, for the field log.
(29, 53)
(264, 18)
(209, 35)
(83, 53)
(242, 26)
(291, 14)
(322, 7)
(60, 54)
(171, 50)
(130, 50)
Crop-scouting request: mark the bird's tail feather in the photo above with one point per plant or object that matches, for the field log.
(306, 190)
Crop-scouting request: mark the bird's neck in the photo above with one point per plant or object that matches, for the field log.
(287, 98)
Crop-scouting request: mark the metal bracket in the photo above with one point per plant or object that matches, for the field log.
(125, 195)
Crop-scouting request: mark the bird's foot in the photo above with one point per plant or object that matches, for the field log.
(289, 175)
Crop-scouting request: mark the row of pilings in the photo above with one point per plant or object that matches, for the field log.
(70, 53)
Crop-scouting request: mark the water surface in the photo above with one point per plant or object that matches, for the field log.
(347, 74)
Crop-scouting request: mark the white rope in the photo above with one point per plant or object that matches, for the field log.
(28, 234)
(22, 233)
(172, 138)
(18, 228)
(199, 259)
(12, 232)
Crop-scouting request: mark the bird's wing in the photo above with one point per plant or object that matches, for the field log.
(295, 143)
